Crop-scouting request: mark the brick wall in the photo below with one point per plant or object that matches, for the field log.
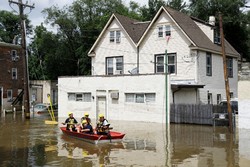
(7, 63)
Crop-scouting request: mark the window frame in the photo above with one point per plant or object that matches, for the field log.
(114, 65)
(14, 73)
(9, 95)
(209, 64)
(139, 98)
(115, 36)
(230, 67)
(169, 65)
(82, 96)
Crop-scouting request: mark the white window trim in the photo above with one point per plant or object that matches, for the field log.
(79, 96)
(133, 98)
(115, 37)
(163, 31)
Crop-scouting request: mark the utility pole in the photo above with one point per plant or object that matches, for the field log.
(229, 109)
(21, 7)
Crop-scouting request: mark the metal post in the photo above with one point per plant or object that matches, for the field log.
(166, 85)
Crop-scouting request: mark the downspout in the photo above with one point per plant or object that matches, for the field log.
(138, 61)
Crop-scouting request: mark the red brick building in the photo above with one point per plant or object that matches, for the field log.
(11, 75)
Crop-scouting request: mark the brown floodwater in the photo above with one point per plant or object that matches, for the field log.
(33, 143)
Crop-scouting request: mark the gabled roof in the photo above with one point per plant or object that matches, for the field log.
(132, 27)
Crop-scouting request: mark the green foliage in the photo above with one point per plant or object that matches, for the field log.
(10, 26)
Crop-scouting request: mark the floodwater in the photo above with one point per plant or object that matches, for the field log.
(33, 143)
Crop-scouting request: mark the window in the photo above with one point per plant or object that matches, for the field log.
(129, 97)
(78, 96)
(114, 65)
(139, 97)
(218, 98)
(9, 95)
(209, 98)
(167, 31)
(217, 37)
(230, 67)
(150, 97)
(231, 94)
(14, 73)
(85, 97)
(159, 63)
(209, 64)
(13, 55)
(160, 31)
(115, 36)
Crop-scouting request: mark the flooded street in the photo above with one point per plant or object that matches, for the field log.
(33, 143)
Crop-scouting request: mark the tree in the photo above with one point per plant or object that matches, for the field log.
(179, 5)
(10, 26)
(149, 12)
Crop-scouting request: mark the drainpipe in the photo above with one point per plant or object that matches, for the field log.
(138, 55)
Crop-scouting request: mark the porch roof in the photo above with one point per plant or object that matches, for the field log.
(181, 85)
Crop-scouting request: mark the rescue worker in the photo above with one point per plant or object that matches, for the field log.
(86, 128)
(86, 117)
(102, 127)
(70, 122)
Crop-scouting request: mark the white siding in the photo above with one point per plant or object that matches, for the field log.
(215, 84)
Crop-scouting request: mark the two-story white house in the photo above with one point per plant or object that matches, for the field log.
(128, 80)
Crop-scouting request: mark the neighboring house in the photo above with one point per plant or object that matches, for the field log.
(11, 76)
(128, 68)
(39, 90)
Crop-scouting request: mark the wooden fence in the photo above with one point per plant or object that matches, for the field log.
(202, 114)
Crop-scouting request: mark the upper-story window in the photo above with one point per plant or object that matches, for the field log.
(114, 65)
(160, 65)
(14, 56)
(230, 67)
(209, 64)
(164, 31)
(14, 73)
(217, 37)
(115, 36)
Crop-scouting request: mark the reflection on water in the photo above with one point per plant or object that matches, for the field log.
(33, 143)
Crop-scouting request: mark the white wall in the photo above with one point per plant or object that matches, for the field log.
(117, 110)
(215, 84)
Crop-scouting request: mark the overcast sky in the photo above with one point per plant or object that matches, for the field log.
(35, 15)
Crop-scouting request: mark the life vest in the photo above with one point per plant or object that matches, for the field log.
(100, 126)
(70, 123)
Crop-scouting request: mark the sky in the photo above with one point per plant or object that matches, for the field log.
(35, 15)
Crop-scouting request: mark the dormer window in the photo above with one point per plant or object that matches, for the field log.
(217, 37)
(166, 29)
(115, 36)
